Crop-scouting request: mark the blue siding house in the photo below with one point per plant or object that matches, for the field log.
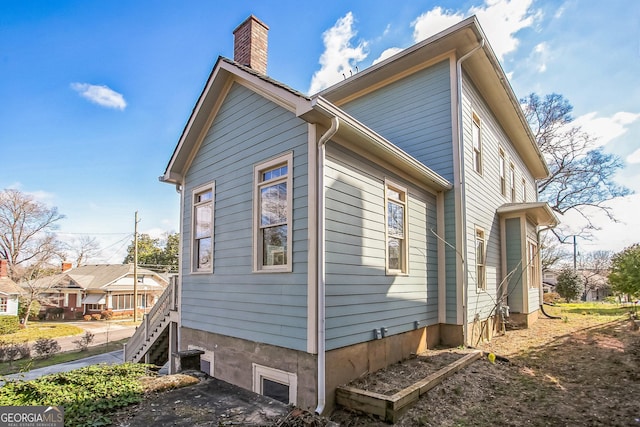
(331, 235)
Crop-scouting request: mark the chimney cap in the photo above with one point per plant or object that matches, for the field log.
(251, 17)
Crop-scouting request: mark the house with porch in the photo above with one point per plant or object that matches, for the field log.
(9, 292)
(92, 289)
(329, 235)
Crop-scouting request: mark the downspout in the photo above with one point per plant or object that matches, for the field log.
(463, 203)
(321, 263)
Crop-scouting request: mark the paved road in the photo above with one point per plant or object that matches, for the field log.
(103, 332)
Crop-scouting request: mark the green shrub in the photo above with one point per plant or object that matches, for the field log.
(84, 341)
(88, 394)
(9, 325)
(14, 351)
(46, 347)
(22, 308)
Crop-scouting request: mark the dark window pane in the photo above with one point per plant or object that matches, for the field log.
(275, 390)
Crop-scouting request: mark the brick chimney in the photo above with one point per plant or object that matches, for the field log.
(4, 271)
(250, 44)
(66, 266)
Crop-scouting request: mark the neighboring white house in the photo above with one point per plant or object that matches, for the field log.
(9, 292)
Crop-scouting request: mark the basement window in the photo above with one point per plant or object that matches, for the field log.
(274, 383)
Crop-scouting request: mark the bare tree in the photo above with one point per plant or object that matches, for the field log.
(84, 249)
(581, 176)
(595, 267)
(39, 283)
(26, 227)
(551, 251)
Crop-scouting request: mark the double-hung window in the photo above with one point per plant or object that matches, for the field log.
(273, 202)
(396, 215)
(477, 144)
(481, 250)
(533, 264)
(202, 250)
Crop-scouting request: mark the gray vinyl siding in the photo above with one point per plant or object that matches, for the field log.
(414, 113)
(484, 196)
(360, 296)
(265, 307)
(451, 259)
(514, 257)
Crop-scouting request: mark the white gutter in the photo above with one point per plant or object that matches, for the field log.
(321, 264)
(463, 203)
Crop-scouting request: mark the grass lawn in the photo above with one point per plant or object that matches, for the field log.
(35, 330)
(24, 365)
(593, 308)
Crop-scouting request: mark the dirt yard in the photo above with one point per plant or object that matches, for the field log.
(581, 370)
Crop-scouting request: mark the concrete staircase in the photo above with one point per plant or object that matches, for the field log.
(151, 341)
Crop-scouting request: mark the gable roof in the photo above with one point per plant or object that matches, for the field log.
(483, 68)
(92, 277)
(313, 110)
(9, 287)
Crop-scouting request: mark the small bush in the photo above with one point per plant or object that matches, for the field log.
(84, 341)
(46, 347)
(96, 316)
(9, 325)
(107, 314)
(87, 317)
(15, 351)
(79, 315)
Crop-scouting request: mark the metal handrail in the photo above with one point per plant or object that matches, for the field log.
(150, 321)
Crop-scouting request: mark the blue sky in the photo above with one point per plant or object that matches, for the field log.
(95, 94)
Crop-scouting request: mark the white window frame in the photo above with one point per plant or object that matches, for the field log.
(502, 171)
(276, 375)
(258, 183)
(481, 267)
(533, 264)
(512, 181)
(404, 249)
(476, 146)
(206, 188)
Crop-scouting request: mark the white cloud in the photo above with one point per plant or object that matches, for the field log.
(101, 95)
(387, 53)
(339, 57)
(606, 129)
(434, 21)
(540, 56)
(634, 158)
(501, 20)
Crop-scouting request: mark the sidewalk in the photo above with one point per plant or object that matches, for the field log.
(104, 332)
(111, 358)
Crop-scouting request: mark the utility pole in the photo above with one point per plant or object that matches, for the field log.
(575, 252)
(135, 269)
